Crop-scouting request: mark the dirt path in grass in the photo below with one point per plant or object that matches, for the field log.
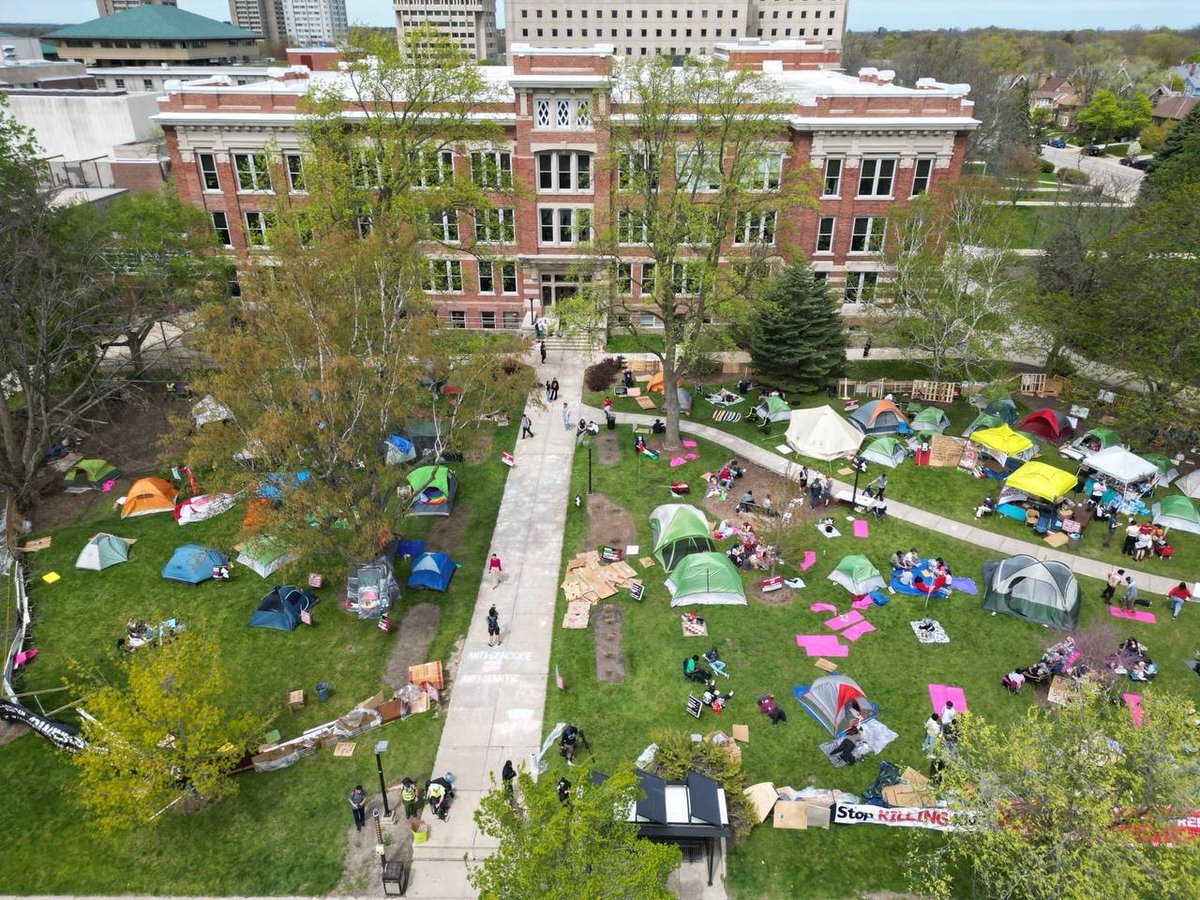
(411, 646)
(608, 523)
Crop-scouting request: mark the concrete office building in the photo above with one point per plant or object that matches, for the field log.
(866, 143)
(108, 7)
(311, 23)
(263, 17)
(652, 27)
(468, 24)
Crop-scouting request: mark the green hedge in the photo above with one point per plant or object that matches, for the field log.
(1046, 167)
(1117, 150)
(1074, 176)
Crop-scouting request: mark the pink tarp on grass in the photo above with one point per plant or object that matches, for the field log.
(861, 528)
(940, 693)
(1135, 616)
(810, 560)
(862, 603)
(1134, 702)
(850, 618)
(854, 632)
(823, 607)
(822, 645)
(689, 444)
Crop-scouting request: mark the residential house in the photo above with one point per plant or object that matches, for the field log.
(1056, 93)
(1172, 109)
(1190, 74)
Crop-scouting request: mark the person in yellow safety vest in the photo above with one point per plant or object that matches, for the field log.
(411, 797)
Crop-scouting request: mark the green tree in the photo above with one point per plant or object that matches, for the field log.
(798, 338)
(1041, 121)
(161, 731)
(335, 344)
(1177, 162)
(585, 847)
(1069, 803)
(694, 151)
(1103, 116)
(1166, 47)
(1152, 137)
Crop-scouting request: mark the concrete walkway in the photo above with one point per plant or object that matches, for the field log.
(498, 696)
(744, 450)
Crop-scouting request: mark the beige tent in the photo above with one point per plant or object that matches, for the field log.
(822, 434)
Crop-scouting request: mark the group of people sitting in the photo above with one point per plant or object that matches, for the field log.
(1132, 659)
(911, 569)
(747, 552)
(694, 670)
(1060, 659)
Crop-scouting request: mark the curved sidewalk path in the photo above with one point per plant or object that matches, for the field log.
(743, 449)
(499, 694)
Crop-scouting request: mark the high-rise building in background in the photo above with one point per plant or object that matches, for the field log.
(653, 27)
(108, 7)
(263, 17)
(309, 23)
(468, 24)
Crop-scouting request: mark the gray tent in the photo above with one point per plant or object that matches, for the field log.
(1038, 591)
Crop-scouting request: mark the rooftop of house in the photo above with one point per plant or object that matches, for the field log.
(1175, 107)
(153, 23)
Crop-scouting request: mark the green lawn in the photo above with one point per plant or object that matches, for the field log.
(758, 643)
(284, 831)
(1034, 225)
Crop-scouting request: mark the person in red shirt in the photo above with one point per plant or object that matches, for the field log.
(495, 569)
(1177, 596)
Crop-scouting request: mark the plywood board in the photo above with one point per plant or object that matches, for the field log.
(644, 402)
(344, 749)
(578, 613)
(741, 733)
(762, 799)
(945, 450)
(791, 814)
(825, 665)
(646, 562)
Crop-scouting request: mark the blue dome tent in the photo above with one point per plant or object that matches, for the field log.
(432, 571)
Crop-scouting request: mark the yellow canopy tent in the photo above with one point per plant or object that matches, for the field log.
(1004, 442)
(1040, 480)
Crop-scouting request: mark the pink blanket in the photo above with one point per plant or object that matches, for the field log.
(1135, 616)
(862, 603)
(940, 693)
(854, 632)
(850, 618)
(810, 560)
(861, 528)
(1134, 702)
(822, 645)
(823, 607)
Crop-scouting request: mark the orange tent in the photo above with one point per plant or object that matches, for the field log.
(149, 495)
(655, 385)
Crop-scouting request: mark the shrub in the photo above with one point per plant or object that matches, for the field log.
(1074, 176)
(704, 364)
(601, 375)
(678, 754)
(1117, 149)
(1046, 167)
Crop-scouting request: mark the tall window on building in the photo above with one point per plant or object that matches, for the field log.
(623, 278)
(631, 227)
(208, 171)
(754, 228)
(495, 226)
(867, 234)
(508, 276)
(634, 168)
(832, 182)
(860, 287)
(487, 279)
(492, 169)
(825, 234)
(767, 174)
(564, 171)
(699, 170)
(431, 167)
(922, 173)
(875, 177)
(443, 276)
(564, 225)
(256, 225)
(295, 173)
(252, 172)
(221, 227)
(685, 278)
(443, 225)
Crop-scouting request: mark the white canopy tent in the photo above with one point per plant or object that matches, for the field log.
(1120, 465)
(822, 434)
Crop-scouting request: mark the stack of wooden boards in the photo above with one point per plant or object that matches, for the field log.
(590, 580)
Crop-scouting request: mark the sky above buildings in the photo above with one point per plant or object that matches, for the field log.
(865, 15)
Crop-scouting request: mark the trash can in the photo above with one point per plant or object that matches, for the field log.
(322, 691)
(611, 420)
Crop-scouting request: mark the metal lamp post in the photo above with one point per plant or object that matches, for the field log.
(380, 748)
(589, 446)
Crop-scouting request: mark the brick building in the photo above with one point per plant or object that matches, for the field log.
(868, 142)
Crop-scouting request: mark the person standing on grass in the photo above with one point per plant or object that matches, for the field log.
(358, 806)
(827, 490)
(526, 426)
(1130, 596)
(493, 626)
(1131, 536)
(1110, 527)
(495, 570)
(1114, 581)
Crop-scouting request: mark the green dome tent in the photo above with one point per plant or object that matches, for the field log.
(1034, 590)
(983, 421)
(1176, 512)
(92, 472)
(676, 530)
(857, 575)
(706, 579)
(433, 488)
(263, 555)
(886, 451)
(1166, 467)
(773, 409)
(930, 420)
(1092, 441)
(102, 551)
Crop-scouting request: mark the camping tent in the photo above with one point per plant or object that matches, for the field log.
(1048, 424)
(372, 588)
(1002, 408)
(433, 488)
(655, 385)
(208, 411)
(1092, 441)
(280, 609)
(93, 472)
(1166, 468)
(203, 506)
(1120, 465)
(822, 434)
(878, 417)
(1189, 484)
(886, 451)
(1176, 512)
(1002, 443)
(147, 496)
(857, 575)
(706, 579)
(676, 530)
(1040, 480)
(102, 551)
(398, 449)
(983, 420)
(930, 419)
(1030, 589)
(828, 700)
(685, 400)
(263, 555)
(432, 571)
(193, 564)
(773, 409)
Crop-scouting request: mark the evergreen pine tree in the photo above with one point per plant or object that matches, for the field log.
(1177, 162)
(798, 340)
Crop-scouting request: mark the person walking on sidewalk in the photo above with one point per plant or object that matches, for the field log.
(526, 426)
(358, 806)
(553, 388)
(1177, 596)
(495, 569)
(542, 351)
(507, 775)
(566, 417)
(493, 625)
(1114, 581)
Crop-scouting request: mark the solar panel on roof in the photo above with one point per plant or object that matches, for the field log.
(702, 796)
(653, 807)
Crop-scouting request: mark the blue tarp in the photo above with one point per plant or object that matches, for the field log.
(409, 548)
(281, 608)
(912, 589)
(193, 564)
(432, 571)
(399, 450)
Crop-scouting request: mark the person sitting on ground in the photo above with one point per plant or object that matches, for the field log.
(639, 444)
(714, 661)
(897, 561)
(564, 790)
(725, 477)
(693, 671)
(658, 427)
(712, 488)
(746, 502)
(940, 569)
(766, 705)
(986, 507)
(713, 698)
(568, 742)
(737, 470)
(736, 554)
(765, 503)
(912, 559)
(848, 750)
(1143, 670)
(1013, 681)
(582, 427)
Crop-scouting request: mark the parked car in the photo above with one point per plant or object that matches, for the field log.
(1128, 160)
(1142, 164)
(1058, 143)
(1093, 149)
